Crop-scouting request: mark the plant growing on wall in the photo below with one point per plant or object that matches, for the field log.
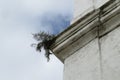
(45, 40)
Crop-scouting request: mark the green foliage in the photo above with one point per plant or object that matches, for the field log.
(45, 40)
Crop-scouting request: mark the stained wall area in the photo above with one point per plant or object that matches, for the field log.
(90, 47)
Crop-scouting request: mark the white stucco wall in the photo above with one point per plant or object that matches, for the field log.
(84, 64)
(100, 58)
(98, 3)
(82, 7)
(110, 47)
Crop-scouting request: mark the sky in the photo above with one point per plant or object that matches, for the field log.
(18, 20)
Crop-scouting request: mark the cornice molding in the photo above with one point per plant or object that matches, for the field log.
(85, 29)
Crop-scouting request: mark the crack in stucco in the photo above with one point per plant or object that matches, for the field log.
(99, 44)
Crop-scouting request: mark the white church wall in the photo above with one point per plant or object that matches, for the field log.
(99, 3)
(110, 47)
(82, 7)
(84, 64)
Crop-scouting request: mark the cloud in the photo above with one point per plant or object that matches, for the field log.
(31, 12)
(57, 22)
(20, 61)
(20, 18)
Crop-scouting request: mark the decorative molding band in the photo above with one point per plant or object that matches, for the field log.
(85, 29)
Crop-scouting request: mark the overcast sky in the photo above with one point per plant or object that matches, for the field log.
(20, 18)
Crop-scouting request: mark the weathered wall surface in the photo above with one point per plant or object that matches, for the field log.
(89, 63)
(110, 49)
(100, 58)
(82, 7)
(84, 64)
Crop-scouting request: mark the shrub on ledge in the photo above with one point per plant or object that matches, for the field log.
(45, 40)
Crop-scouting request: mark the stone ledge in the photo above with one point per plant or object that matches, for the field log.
(85, 29)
